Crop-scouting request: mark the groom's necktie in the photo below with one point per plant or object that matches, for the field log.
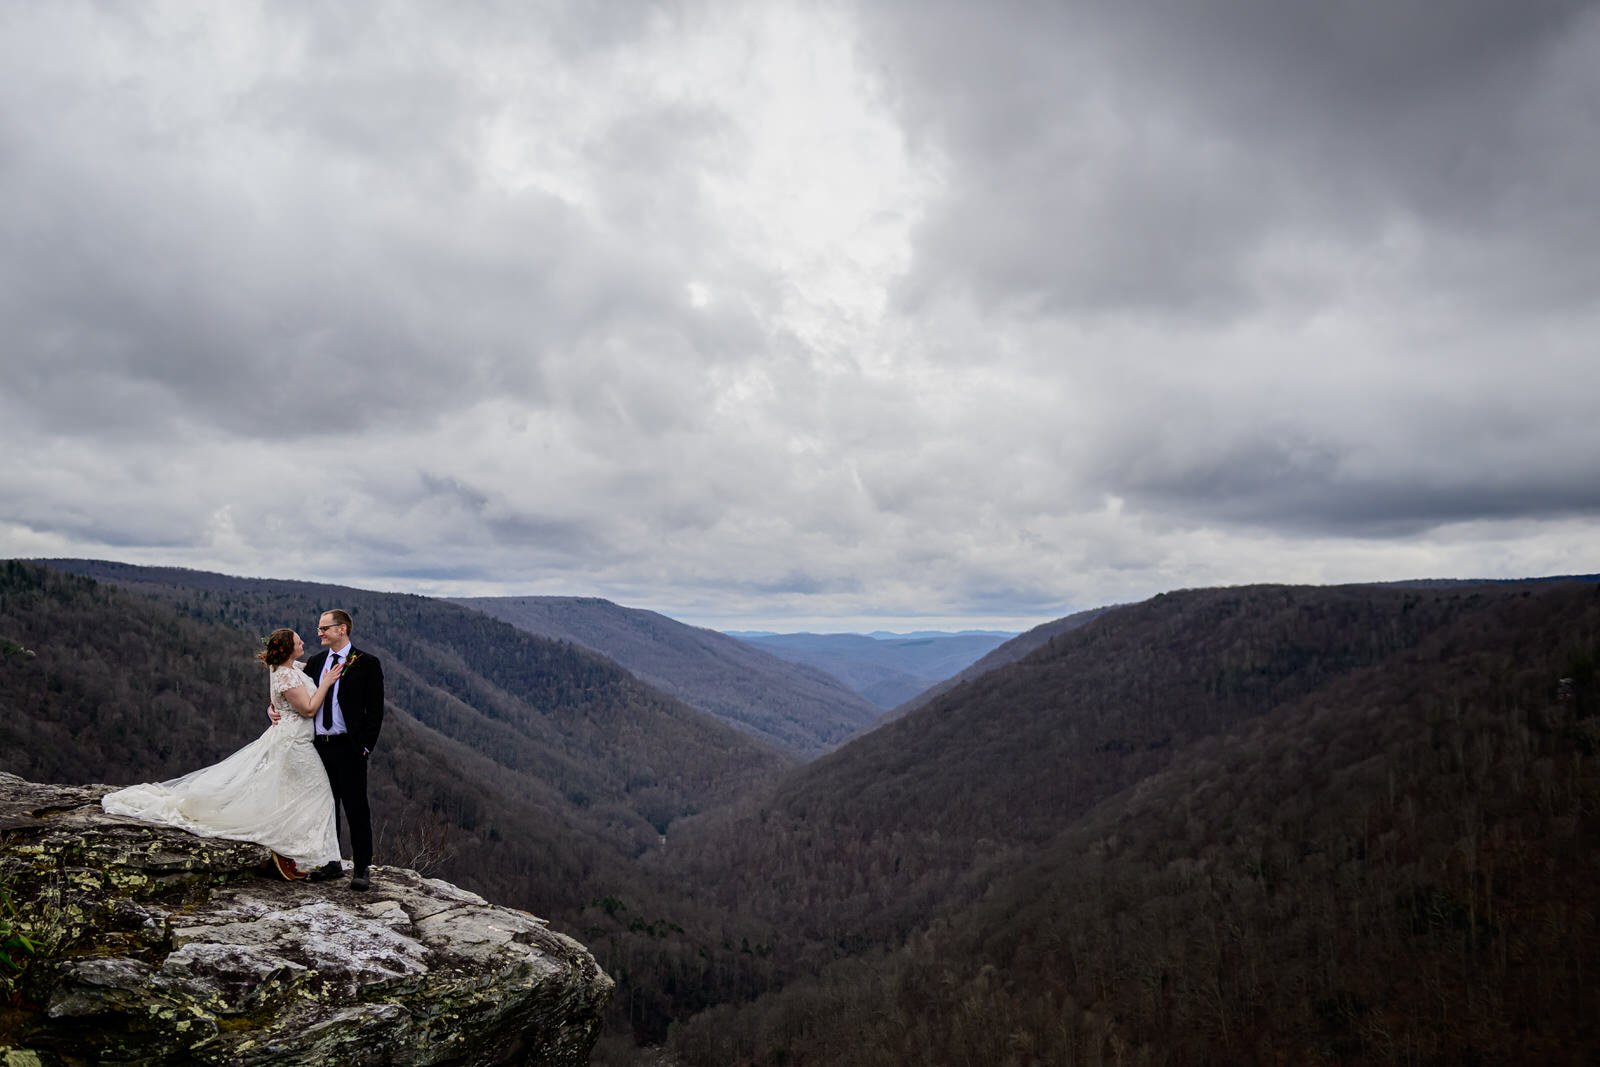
(327, 701)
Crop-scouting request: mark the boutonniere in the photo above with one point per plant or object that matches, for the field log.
(351, 662)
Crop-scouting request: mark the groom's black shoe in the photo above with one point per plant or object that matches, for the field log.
(327, 872)
(360, 881)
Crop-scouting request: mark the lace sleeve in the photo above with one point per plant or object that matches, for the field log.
(283, 677)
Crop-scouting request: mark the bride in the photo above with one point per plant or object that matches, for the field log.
(272, 791)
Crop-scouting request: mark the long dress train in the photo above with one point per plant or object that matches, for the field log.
(273, 791)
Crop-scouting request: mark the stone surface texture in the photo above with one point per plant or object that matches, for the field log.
(153, 946)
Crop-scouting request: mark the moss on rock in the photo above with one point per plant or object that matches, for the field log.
(156, 946)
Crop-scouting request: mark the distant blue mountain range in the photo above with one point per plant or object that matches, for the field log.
(878, 635)
(889, 635)
(885, 668)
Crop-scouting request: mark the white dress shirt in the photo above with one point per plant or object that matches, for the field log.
(338, 726)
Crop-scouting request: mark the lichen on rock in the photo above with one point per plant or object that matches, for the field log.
(154, 946)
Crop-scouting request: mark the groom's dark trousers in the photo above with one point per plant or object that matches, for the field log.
(347, 774)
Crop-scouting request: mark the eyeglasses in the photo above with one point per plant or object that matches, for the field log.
(335, 626)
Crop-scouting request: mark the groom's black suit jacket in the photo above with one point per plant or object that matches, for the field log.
(360, 693)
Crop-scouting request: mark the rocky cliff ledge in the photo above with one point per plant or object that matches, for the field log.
(155, 946)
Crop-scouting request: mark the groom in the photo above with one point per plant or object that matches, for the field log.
(347, 731)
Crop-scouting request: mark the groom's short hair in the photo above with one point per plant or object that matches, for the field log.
(341, 617)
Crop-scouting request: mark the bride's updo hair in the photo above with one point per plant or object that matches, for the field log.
(279, 647)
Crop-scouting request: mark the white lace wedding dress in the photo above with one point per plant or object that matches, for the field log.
(272, 791)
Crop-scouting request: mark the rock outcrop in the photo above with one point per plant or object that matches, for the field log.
(153, 946)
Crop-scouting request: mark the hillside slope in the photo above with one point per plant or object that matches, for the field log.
(1005, 762)
(530, 771)
(792, 707)
(127, 688)
(1251, 825)
(1400, 866)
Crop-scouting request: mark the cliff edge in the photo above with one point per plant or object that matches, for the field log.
(136, 944)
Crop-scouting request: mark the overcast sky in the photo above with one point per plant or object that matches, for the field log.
(804, 316)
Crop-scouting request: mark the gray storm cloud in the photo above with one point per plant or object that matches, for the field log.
(850, 312)
(1389, 195)
(1151, 157)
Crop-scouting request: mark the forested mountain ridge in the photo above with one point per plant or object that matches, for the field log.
(1007, 760)
(791, 706)
(533, 705)
(1399, 867)
(1250, 825)
(884, 670)
(530, 771)
(1268, 824)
